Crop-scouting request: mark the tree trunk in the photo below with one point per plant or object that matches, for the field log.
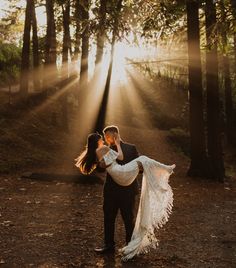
(77, 30)
(233, 7)
(35, 50)
(66, 38)
(50, 49)
(77, 41)
(25, 59)
(226, 75)
(197, 133)
(101, 31)
(65, 59)
(213, 103)
(100, 122)
(85, 43)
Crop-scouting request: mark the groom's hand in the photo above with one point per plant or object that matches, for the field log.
(140, 167)
(102, 165)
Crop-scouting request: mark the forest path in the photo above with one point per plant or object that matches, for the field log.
(57, 224)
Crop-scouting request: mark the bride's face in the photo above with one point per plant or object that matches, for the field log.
(100, 142)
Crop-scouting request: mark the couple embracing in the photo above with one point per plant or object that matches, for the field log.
(123, 163)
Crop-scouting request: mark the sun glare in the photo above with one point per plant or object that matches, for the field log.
(119, 63)
(41, 16)
(124, 53)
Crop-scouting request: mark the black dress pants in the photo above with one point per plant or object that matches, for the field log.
(113, 202)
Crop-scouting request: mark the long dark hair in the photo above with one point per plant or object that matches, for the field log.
(87, 160)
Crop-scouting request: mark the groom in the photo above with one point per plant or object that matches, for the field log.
(116, 197)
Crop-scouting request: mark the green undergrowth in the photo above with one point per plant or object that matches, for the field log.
(180, 139)
(30, 137)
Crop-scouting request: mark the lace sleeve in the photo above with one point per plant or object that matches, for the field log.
(110, 156)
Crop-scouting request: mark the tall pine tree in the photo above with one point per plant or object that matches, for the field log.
(214, 137)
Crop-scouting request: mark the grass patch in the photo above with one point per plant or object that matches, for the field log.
(181, 139)
(29, 139)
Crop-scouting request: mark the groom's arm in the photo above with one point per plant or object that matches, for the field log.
(101, 167)
(137, 154)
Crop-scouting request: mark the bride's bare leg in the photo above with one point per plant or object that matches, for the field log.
(141, 159)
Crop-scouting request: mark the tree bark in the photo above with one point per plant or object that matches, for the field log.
(65, 59)
(77, 41)
(25, 59)
(212, 88)
(35, 49)
(50, 49)
(197, 133)
(66, 38)
(85, 43)
(101, 31)
(226, 75)
(77, 30)
(233, 7)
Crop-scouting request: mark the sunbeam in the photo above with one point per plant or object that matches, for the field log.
(125, 106)
(84, 121)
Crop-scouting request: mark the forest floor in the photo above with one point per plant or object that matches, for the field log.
(57, 221)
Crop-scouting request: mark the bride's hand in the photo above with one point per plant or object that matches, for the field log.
(173, 167)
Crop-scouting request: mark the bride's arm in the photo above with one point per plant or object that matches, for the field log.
(100, 152)
(119, 150)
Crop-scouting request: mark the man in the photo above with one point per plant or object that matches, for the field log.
(118, 197)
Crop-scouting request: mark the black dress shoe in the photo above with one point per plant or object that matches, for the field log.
(105, 249)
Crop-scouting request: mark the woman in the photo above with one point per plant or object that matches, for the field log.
(156, 195)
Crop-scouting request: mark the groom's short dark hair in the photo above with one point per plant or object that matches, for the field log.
(111, 128)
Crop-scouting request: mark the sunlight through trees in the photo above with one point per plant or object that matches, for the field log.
(84, 51)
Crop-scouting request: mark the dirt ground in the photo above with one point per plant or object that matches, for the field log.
(57, 223)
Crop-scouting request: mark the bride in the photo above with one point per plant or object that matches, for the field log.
(156, 198)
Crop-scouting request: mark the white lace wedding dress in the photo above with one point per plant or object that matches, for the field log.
(156, 199)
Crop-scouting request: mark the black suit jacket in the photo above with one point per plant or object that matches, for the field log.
(130, 152)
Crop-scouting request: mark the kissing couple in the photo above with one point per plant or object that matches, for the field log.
(123, 163)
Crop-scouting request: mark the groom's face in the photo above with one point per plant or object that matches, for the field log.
(109, 137)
